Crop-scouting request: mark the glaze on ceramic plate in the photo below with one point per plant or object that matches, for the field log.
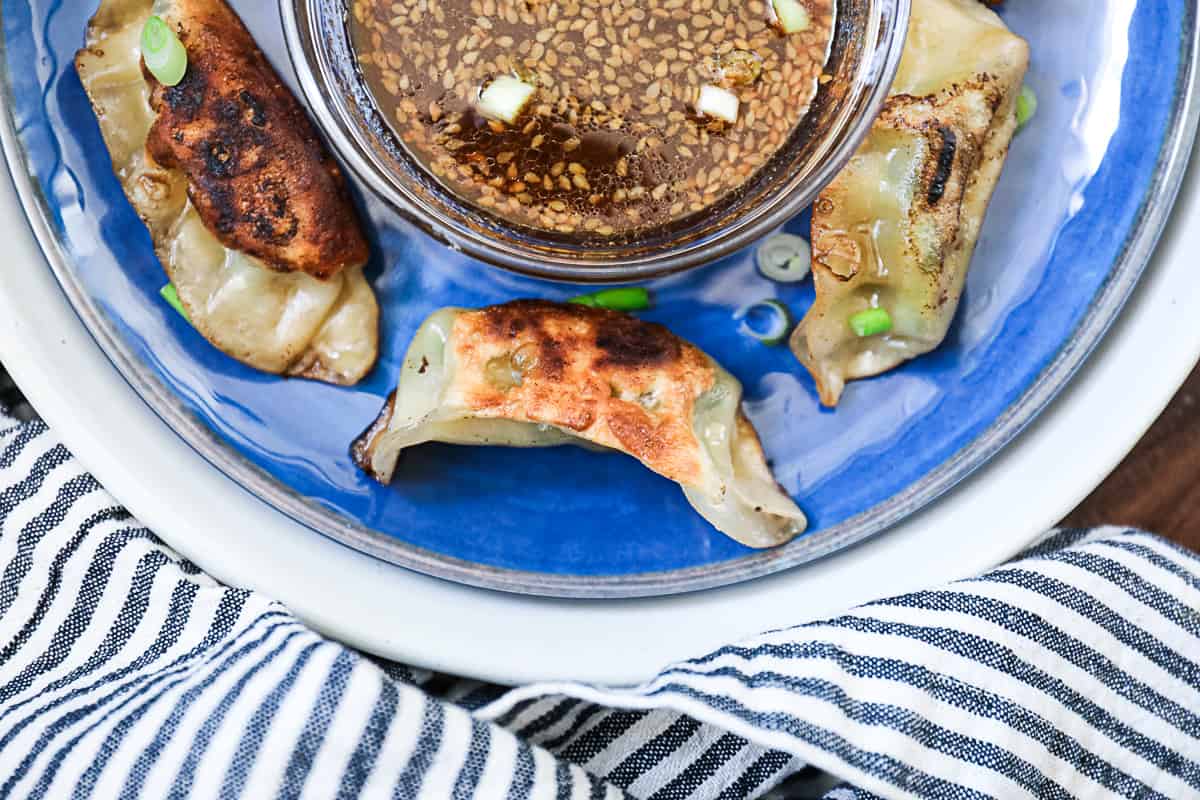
(1085, 179)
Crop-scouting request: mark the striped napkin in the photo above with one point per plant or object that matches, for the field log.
(126, 672)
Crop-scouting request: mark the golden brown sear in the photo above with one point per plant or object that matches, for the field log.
(257, 172)
(611, 378)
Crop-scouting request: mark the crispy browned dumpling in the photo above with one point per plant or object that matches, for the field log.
(533, 373)
(245, 275)
(897, 228)
(258, 174)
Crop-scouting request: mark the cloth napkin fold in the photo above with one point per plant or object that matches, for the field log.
(126, 672)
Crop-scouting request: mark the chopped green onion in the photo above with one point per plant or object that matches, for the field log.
(163, 53)
(172, 297)
(504, 98)
(784, 258)
(791, 16)
(1027, 105)
(719, 103)
(872, 322)
(778, 321)
(633, 298)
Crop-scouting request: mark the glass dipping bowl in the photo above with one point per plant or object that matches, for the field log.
(867, 44)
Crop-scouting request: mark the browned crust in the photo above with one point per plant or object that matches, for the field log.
(956, 128)
(961, 127)
(587, 371)
(592, 372)
(955, 144)
(613, 339)
(364, 446)
(258, 174)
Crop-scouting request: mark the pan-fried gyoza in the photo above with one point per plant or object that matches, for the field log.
(893, 235)
(536, 374)
(249, 215)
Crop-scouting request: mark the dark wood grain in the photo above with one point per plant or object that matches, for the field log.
(1157, 487)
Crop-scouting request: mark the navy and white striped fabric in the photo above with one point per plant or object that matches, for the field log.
(126, 672)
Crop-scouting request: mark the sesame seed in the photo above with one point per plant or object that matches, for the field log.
(608, 140)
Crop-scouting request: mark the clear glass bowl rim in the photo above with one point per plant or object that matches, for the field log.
(887, 23)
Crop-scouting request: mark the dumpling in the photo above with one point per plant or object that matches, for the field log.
(536, 374)
(249, 214)
(897, 227)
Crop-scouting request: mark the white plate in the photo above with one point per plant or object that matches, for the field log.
(431, 623)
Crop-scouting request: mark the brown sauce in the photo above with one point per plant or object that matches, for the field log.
(611, 141)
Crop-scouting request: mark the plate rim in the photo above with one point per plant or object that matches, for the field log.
(1054, 377)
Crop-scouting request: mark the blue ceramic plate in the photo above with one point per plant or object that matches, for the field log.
(1084, 195)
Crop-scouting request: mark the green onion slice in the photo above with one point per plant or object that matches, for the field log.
(872, 322)
(792, 16)
(1027, 105)
(768, 321)
(172, 297)
(632, 298)
(504, 98)
(163, 53)
(784, 258)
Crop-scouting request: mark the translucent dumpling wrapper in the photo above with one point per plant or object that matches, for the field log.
(248, 213)
(538, 374)
(896, 229)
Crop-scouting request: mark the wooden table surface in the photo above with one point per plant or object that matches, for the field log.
(1156, 487)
